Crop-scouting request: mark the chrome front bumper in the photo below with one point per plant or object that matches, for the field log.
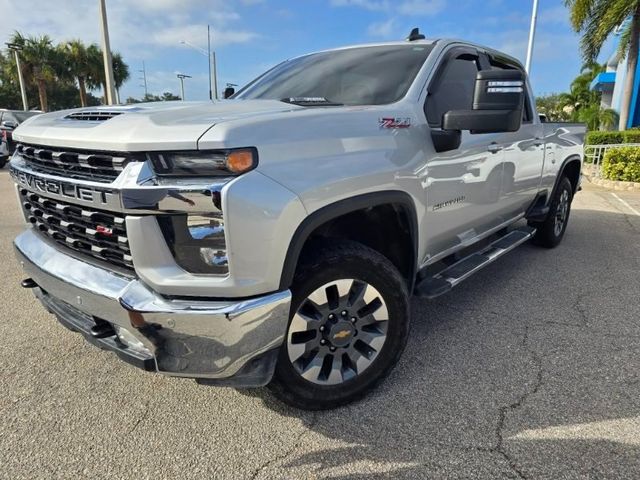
(216, 340)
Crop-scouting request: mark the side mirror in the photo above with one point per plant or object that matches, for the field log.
(498, 101)
(229, 91)
(9, 124)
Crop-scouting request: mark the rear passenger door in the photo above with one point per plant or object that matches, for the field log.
(523, 153)
(462, 185)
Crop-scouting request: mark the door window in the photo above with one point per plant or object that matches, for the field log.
(453, 89)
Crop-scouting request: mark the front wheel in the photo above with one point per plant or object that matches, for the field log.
(349, 325)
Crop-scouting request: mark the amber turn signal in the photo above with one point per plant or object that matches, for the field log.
(240, 161)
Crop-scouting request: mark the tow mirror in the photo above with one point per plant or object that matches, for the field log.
(9, 124)
(498, 101)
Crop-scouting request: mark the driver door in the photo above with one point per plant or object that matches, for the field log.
(462, 186)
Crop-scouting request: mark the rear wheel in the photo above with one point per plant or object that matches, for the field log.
(550, 232)
(349, 325)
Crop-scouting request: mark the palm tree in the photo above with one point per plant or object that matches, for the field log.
(597, 117)
(596, 20)
(120, 72)
(96, 78)
(78, 64)
(41, 62)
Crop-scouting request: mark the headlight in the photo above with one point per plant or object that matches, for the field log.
(204, 162)
(197, 242)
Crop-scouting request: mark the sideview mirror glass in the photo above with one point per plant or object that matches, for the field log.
(498, 101)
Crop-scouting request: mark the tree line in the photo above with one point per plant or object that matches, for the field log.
(59, 76)
(580, 103)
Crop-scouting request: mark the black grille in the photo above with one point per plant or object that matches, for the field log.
(101, 167)
(93, 115)
(94, 233)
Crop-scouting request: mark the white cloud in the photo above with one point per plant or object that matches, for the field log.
(421, 7)
(383, 29)
(197, 35)
(374, 5)
(136, 27)
(406, 7)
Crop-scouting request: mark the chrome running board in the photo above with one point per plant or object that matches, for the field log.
(451, 276)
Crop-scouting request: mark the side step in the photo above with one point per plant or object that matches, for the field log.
(451, 276)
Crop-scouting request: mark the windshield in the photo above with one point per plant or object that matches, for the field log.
(353, 76)
(22, 116)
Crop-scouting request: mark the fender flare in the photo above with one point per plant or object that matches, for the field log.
(565, 162)
(343, 207)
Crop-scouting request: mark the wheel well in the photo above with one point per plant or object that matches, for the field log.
(572, 172)
(388, 228)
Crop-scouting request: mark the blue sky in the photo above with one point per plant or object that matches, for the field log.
(250, 36)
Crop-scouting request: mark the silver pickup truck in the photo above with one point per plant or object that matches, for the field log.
(276, 237)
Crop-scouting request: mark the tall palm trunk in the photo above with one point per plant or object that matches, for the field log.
(632, 64)
(42, 93)
(83, 91)
(104, 93)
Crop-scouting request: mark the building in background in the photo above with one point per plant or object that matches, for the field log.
(611, 82)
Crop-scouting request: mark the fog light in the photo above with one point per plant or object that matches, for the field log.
(197, 242)
(130, 340)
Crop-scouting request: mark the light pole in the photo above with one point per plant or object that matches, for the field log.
(532, 35)
(106, 55)
(213, 89)
(144, 78)
(182, 76)
(15, 48)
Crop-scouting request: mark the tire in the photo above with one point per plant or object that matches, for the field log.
(549, 233)
(3, 162)
(334, 278)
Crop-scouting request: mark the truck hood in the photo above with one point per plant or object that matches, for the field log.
(140, 127)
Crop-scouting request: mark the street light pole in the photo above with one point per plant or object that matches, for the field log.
(182, 76)
(23, 91)
(532, 35)
(211, 55)
(106, 55)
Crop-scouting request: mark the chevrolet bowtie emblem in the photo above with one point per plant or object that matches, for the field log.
(342, 334)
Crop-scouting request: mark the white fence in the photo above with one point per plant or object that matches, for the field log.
(594, 154)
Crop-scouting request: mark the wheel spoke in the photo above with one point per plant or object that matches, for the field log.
(360, 360)
(312, 369)
(373, 335)
(335, 376)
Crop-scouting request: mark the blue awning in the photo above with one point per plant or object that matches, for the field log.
(603, 82)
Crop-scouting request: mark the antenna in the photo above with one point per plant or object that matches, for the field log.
(415, 35)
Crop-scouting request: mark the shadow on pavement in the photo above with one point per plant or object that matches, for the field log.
(529, 370)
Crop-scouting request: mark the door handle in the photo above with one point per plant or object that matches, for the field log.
(494, 148)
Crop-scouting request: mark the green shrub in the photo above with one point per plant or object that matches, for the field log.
(631, 136)
(604, 138)
(622, 164)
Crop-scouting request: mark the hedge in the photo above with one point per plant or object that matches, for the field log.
(608, 138)
(622, 164)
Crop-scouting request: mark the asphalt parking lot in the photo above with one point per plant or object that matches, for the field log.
(529, 370)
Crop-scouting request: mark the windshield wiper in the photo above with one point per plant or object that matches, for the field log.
(311, 101)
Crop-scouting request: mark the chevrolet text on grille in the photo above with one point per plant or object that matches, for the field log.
(68, 190)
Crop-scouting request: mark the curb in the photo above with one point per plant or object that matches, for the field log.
(589, 171)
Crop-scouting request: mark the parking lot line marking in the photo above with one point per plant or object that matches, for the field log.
(627, 205)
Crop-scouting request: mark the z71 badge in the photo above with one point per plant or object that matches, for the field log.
(394, 122)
